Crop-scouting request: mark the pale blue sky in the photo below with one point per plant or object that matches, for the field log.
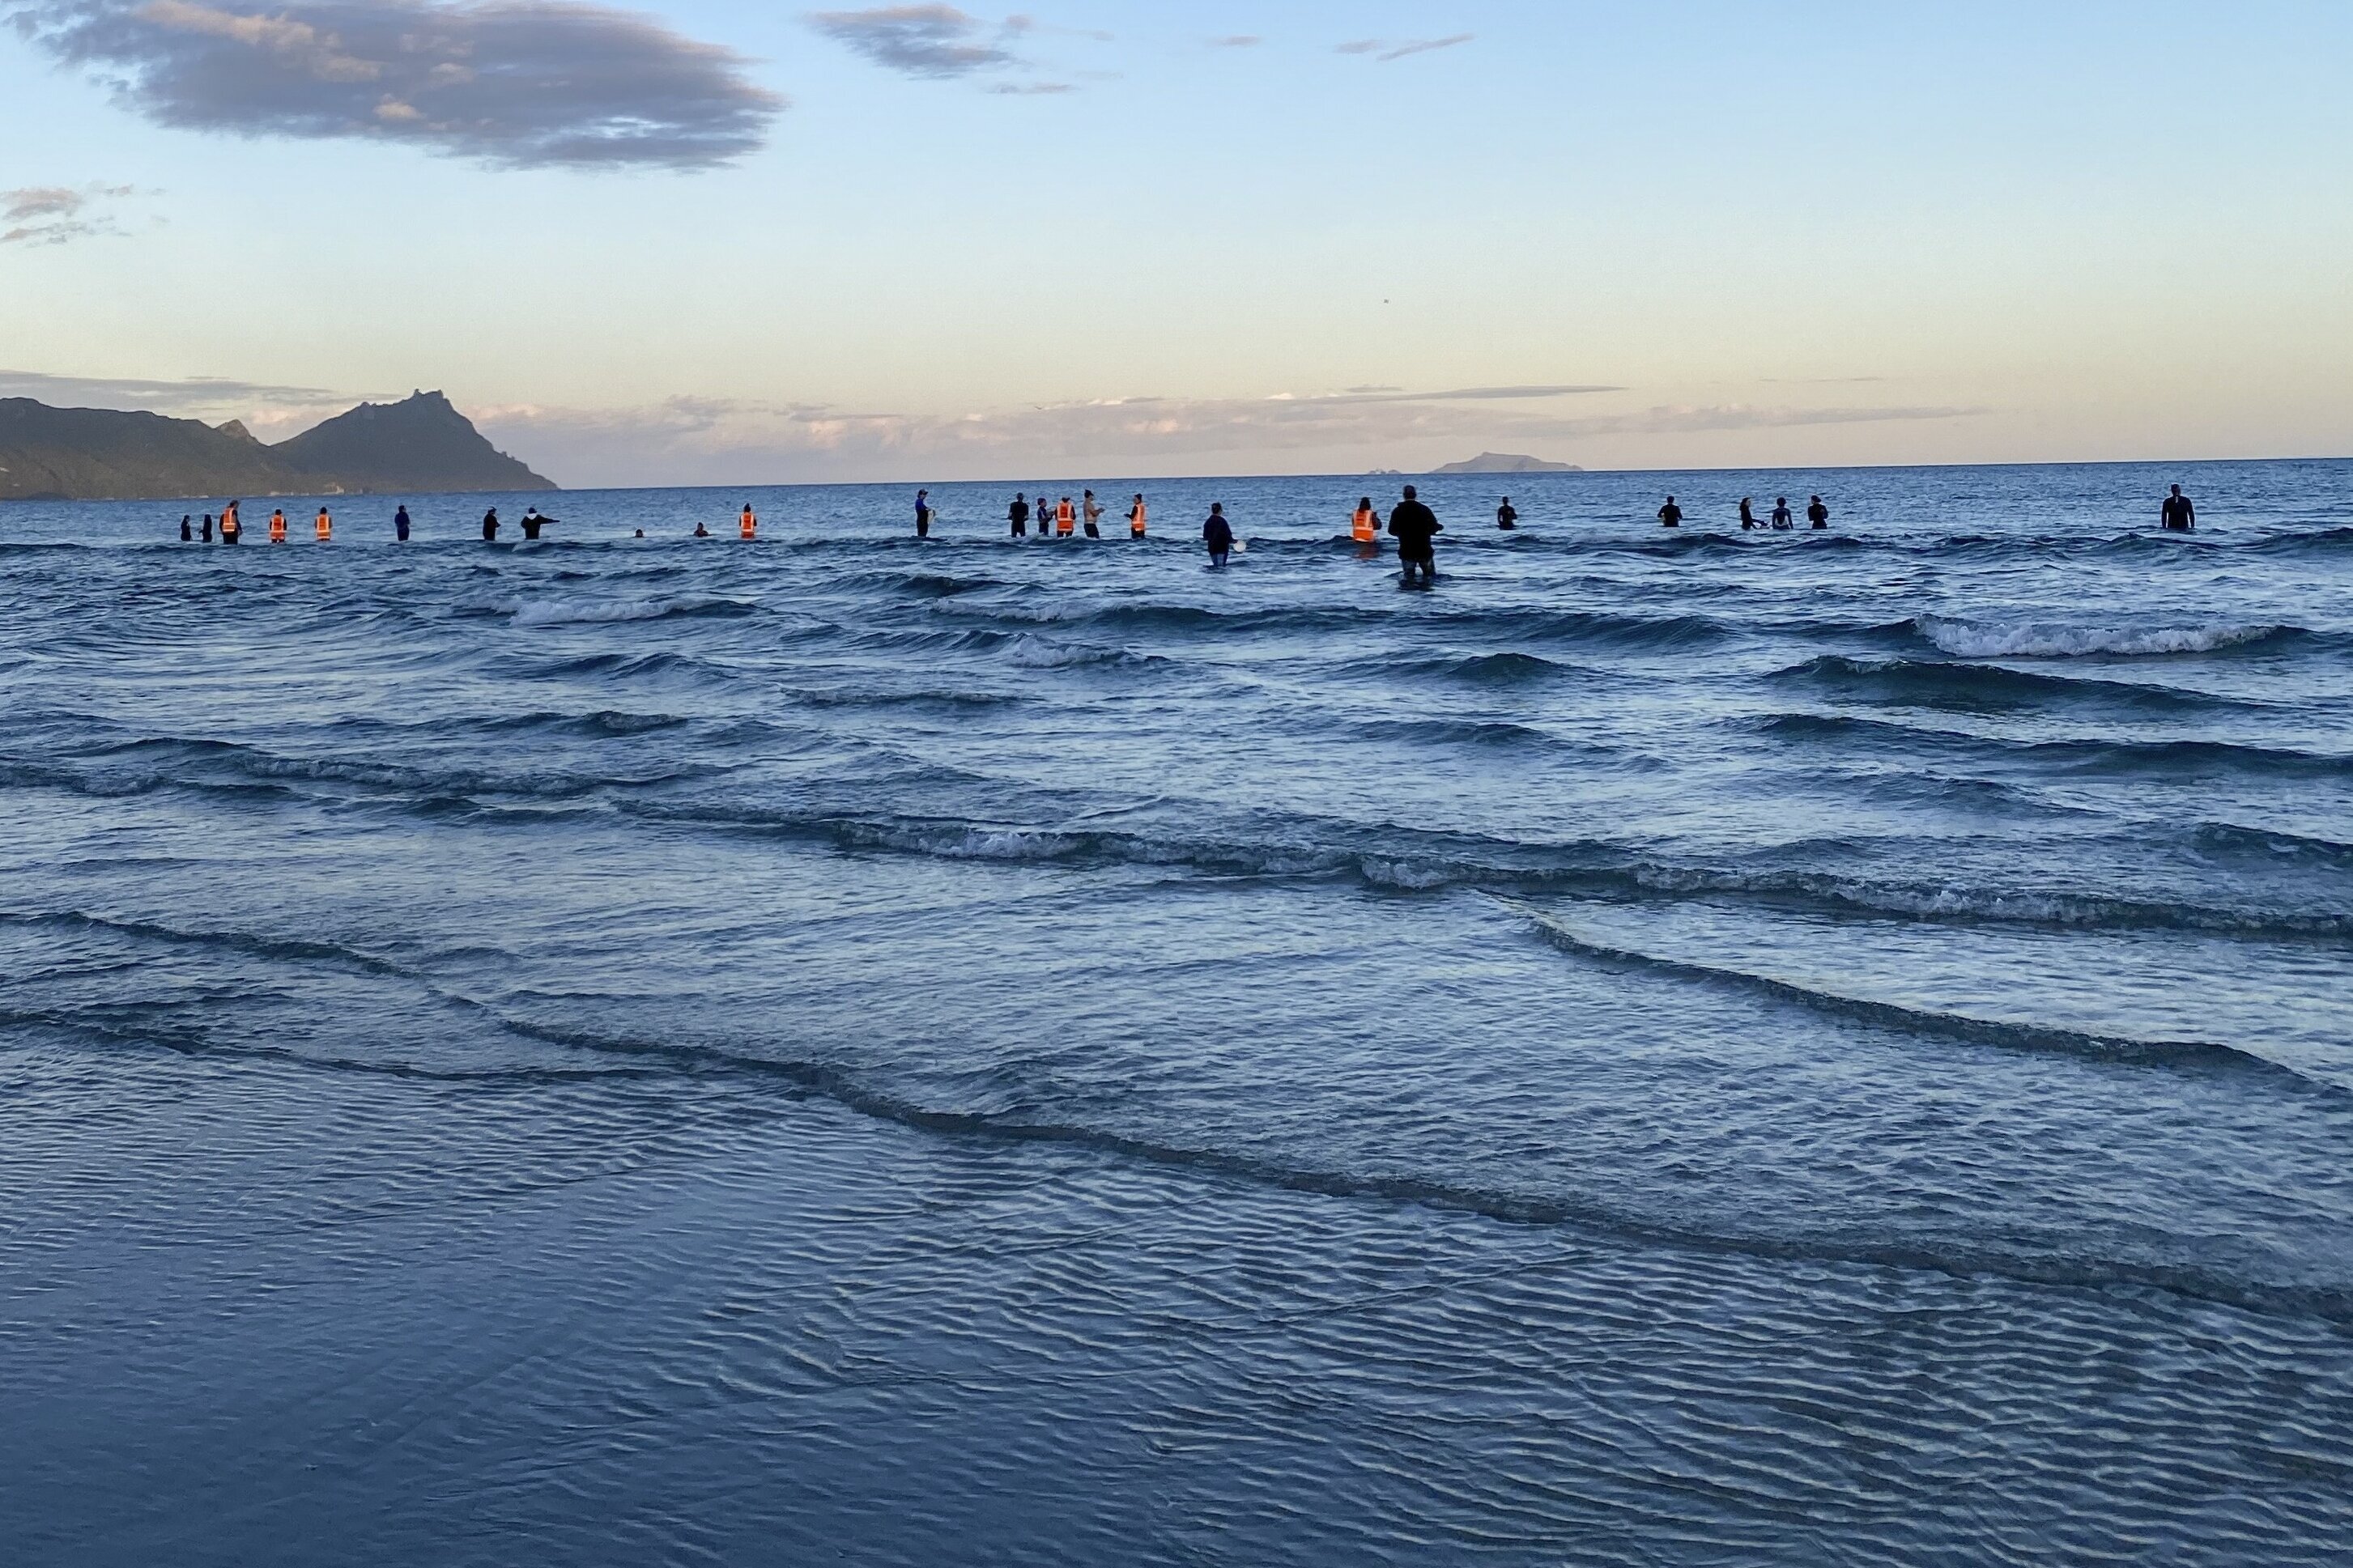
(1795, 233)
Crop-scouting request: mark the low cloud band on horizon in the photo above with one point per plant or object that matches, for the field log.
(508, 83)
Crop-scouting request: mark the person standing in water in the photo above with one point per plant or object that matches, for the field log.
(1506, 518)
(1781, 518)
(206, 535)
(2179, 515)
(1017, 516)
(701, 532)
(1416, 527)
(1818, 514)
(922, 514)
(1365, 528)
(187, 534)
(1747, 517)
(277, 526)
(748, 524)
(400, 525)
(1093, 515)
(1135, 518)
(1217, 534)
(325, 526)
(491, 526)
(1066, 519)
(533, 522)
(1671, 515)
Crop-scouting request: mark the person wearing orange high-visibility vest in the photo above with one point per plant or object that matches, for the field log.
(1136, 515)
(1365, 526)
(325, 525)
(1066, 519)
(748, 523)
(277, 526)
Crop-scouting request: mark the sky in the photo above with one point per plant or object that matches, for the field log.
(709, 242)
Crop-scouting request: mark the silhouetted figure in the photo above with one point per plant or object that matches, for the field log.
(701, 532)
(1818, 514)
(400, 525)
(1017, 514)
(2179, 516)
(1781, 518)
(1416, 527)
(1747, 517)
(205, 534)
(1217, 534)
(187, 534)
(1505, 518)
(533, 522)
(922, 514)
(1671, 515)
(491, 526)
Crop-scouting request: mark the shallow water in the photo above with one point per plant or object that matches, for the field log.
(1809, 1048)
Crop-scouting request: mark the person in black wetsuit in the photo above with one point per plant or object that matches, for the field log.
(1017, 514)
(1217, 534)
(400, 525)
(1506, 518)
(1818, 514)
(187, 534)
(2179, 516)
(207, 534)
(1414, 526)
(1781, 518)
(1747, 517)
(1671, 515)
(491, 526)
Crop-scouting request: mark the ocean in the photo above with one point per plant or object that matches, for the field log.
(1664, 1048)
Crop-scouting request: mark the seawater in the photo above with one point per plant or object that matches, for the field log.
(1666, 1048)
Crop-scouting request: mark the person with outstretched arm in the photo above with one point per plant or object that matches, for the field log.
(1747, 515)
(1671, 515)
(1818, 514)
(1218, 535)
(1415, 528)
(2179, 516)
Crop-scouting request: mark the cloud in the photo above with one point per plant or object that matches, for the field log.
(922, 40)
(53, 215)
(511, 83)
(717, 440)
(1236, 41)
(1387, 49)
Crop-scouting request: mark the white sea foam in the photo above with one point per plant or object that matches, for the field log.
(2055, 639)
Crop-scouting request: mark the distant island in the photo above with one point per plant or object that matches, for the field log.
(417, 447)
(1507, 463)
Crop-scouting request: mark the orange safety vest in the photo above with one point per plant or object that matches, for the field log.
(326, 524)
(1136, 519)
(1363, 525)
(750, 523)
(277, 527)
(1064, 518)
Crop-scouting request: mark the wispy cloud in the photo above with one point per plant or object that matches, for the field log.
(1236, 41)
(1387, 49)
(695, 440)
(54, 215)
(511, 83)
(925, 40)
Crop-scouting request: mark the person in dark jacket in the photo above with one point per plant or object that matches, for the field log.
(1017, 514)
(2178, 513)
(187, 534)
(400, 525)
(1507, 516)
(1414, 526)
(1671, 515)
(1217, 534)
(491, 526)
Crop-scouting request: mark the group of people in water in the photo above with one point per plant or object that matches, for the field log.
(1410, 523)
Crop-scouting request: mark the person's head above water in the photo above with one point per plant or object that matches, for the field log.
(1216, 508)
(1364, 503)
(1410, 493)
(2177, 489)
